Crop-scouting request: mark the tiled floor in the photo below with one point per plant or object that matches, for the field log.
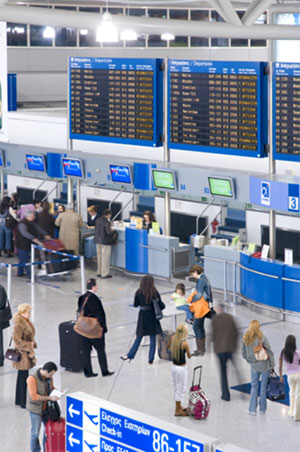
(137, 384)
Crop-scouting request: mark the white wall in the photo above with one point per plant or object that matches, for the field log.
(3, 82)
(25, 182)
(100, 193)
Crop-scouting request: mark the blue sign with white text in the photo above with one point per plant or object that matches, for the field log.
(143, 436)
(293, 198)
(109, 446)
(74, 411)
(73, 439)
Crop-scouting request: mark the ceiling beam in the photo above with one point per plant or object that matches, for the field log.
(226, 11)
(256, 8)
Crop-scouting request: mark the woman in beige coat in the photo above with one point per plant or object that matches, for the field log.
(24, 340)
(69, 224)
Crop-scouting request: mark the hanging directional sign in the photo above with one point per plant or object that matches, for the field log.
(74, 411)
(73, 439)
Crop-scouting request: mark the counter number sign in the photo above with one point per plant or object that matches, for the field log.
(265, 193)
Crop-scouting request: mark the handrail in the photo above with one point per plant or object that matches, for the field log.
(49, 193)
(206, 227)
(200, 214)
(122, 208)
(116, 197)
(257, 272)
(39, 186)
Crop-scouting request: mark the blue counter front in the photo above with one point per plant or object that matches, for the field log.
(136, 250)
(291, 288)
(263, 281)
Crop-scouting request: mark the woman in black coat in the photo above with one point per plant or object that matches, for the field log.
(4, 323)
(147, 324)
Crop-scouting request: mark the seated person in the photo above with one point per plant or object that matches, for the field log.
(148, 219)
(180, 302)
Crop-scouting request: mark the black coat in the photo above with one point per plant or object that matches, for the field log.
(3, 299)
(103, 231)
(147, 324)
(93, 308)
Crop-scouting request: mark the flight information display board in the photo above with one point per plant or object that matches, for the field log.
(286, 111)
(116, 100)
(218, 107)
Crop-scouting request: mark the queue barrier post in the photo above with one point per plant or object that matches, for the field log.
(32, 263)
(82, 274)
(9, 276)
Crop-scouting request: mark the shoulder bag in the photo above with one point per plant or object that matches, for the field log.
(158, 312)
(275, 389)
(260, 352)
(12, 353)
(88, 326)
(5, 313)
(52, 411)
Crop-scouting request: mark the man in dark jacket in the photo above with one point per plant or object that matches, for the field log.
(104, 235)
(28, 231)
(93, 308)
(224, 336)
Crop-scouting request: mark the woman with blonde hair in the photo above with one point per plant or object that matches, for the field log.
(179, 349)
(24, 340)
(256, 350)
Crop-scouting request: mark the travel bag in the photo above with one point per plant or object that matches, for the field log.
(70, 347)
(54, 244)
(56, 435)
(59, 267)
(275, 389)
(163, 340)
(90, 250)
(199, 404)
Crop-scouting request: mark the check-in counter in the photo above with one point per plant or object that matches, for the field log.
(291, 287)
(220, 266)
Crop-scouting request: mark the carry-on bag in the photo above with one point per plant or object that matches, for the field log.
(90, 249)
(199, 404)
(70, 347)
(59, 267)
(163, 340)
(54, 244)
(275, 389)
(56, 435)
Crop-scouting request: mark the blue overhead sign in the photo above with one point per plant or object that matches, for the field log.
(278, 195)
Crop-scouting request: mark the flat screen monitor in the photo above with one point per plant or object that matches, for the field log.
(72, 167)
(164, 179)
(2, 157)
(121, 174)
(36, 162)
(221, 186)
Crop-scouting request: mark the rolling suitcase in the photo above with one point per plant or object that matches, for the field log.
(199, 404)
(89, 248)
(163, 340)
(59, 267)
(70, 347)
(56, 435)
(54, 244)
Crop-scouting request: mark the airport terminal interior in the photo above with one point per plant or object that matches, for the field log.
(188, 110)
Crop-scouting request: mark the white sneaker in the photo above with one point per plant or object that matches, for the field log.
(252, 413)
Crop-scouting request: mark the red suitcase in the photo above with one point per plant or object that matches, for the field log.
(54, 245)
(199, 404)
(56, 435)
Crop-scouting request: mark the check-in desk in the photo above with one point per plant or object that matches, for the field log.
(220, 266)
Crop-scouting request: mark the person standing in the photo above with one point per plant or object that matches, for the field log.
(24, 340)
(224, 336)
(28, 231)
(147, 324)
(70, 224)
(3, 322)
(93, 308)
(5, 231)
(291, 357)
(253, 341)
(180, 349)
(46, 220)
(104, 235)
(203, 290)
(38, 385)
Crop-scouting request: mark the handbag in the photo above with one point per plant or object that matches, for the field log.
(5, 313)
(157, 311)
(275, 389)
(13, 354)
(52, 410)
(88, 326)
(260, 352)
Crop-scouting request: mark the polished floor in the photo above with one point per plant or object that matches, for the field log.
(138, 385)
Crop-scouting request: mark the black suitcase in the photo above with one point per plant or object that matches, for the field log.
(70, 347)
(59, 267)
(163, 340)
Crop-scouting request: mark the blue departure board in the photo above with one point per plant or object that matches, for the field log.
(218, 106)
(286, 111)
(116, 100)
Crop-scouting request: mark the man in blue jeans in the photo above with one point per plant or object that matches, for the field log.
(37, 385)
(28, 231)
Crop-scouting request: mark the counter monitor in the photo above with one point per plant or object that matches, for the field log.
(72, 167)
(221, 186)
(164, 179)
(120, 174)
(36, 162)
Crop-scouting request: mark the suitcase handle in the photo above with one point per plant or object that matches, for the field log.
(200, 375)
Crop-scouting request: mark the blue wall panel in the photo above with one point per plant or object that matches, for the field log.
(136, 255)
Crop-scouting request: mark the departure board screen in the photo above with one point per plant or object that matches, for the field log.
(218, 107)
(116, 100)
(286, 111)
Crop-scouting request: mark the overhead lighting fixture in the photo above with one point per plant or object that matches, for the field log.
(107, 32)
(84, 32)
(49, 32)
(167, 37)
(128, 35)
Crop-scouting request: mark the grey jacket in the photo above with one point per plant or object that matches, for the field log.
(248, 355)
(103, 231)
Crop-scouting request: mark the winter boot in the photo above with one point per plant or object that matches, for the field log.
(202, 346)
(197, 352)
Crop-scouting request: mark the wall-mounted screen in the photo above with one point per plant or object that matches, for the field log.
(2, 158)
(164, 179)
(221, 186)
(36, 162)
(72, 167)
(120, 174)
